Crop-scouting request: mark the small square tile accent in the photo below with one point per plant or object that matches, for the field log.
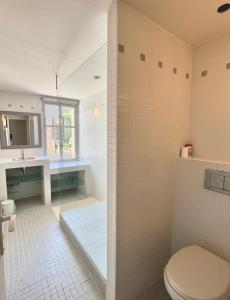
(142, 57)
(204, 73)
(175, 70)
(187, 75)
(228, 66)
(121, 48)
(160, 64)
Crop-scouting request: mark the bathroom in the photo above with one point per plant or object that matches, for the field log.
(53, 156)
(69, 173)
(161, 74)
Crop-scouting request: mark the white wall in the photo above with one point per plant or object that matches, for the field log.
(153, 122)
(200, 216)
(93, 142)
(24, 103)
(210, 127)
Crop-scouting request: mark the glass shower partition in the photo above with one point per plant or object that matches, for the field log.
(80, 187)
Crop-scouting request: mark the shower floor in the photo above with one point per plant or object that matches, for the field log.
(87, 227)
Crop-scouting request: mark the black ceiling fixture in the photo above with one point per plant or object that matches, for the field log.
(223, 8)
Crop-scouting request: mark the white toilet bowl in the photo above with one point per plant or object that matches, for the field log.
(194, 273)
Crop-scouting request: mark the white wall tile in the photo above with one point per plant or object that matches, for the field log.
(152, 123)
(200, 216)
(93, 142)
(112, 149)
(210, 108)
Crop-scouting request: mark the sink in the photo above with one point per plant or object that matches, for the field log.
(22, 159)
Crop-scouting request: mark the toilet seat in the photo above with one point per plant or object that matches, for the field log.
(194, 273)
(172, 292)
(176, 296)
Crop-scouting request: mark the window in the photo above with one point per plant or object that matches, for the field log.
(60, 130)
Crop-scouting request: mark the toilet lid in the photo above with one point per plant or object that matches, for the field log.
(196, 273)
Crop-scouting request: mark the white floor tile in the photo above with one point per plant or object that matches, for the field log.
(40, 262)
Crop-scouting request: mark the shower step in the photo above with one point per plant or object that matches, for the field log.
(89, 229)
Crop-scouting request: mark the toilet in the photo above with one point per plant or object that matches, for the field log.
(194, 273)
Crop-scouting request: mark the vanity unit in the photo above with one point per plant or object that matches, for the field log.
(48, 170)
(24, 164)
(23, 130)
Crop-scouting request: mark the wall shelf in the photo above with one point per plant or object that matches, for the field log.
(63, 181)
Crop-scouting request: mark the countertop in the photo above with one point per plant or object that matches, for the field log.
(9, 163)
(53, 167)
(68, 166)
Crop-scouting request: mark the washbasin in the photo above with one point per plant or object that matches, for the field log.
(21, 159)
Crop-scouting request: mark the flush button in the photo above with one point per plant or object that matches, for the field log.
(217, 181)
(227, 184)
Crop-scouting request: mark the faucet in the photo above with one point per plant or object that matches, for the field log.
(23, 158)
(24, 170)
(22, 154)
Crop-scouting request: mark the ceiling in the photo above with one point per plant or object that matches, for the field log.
(194, 21)
(81, 82)
(42, 38)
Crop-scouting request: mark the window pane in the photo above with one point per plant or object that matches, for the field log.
(53, 143)
(69, 143)
(68, 115)
(52, 114)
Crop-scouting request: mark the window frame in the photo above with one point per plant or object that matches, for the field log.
(66, 103)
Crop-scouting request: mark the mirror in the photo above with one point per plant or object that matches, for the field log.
(20, 130)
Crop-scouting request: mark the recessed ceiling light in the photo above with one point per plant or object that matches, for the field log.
(96, 77)
(223, 8)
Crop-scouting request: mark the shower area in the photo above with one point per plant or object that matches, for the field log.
(79, 180)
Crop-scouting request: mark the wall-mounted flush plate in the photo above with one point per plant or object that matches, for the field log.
(217, 181)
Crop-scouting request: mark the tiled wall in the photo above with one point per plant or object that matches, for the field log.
(210, 100)
(93, 142)
(2, 280)
(154, 78)
(200, 216)
(112, 149)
